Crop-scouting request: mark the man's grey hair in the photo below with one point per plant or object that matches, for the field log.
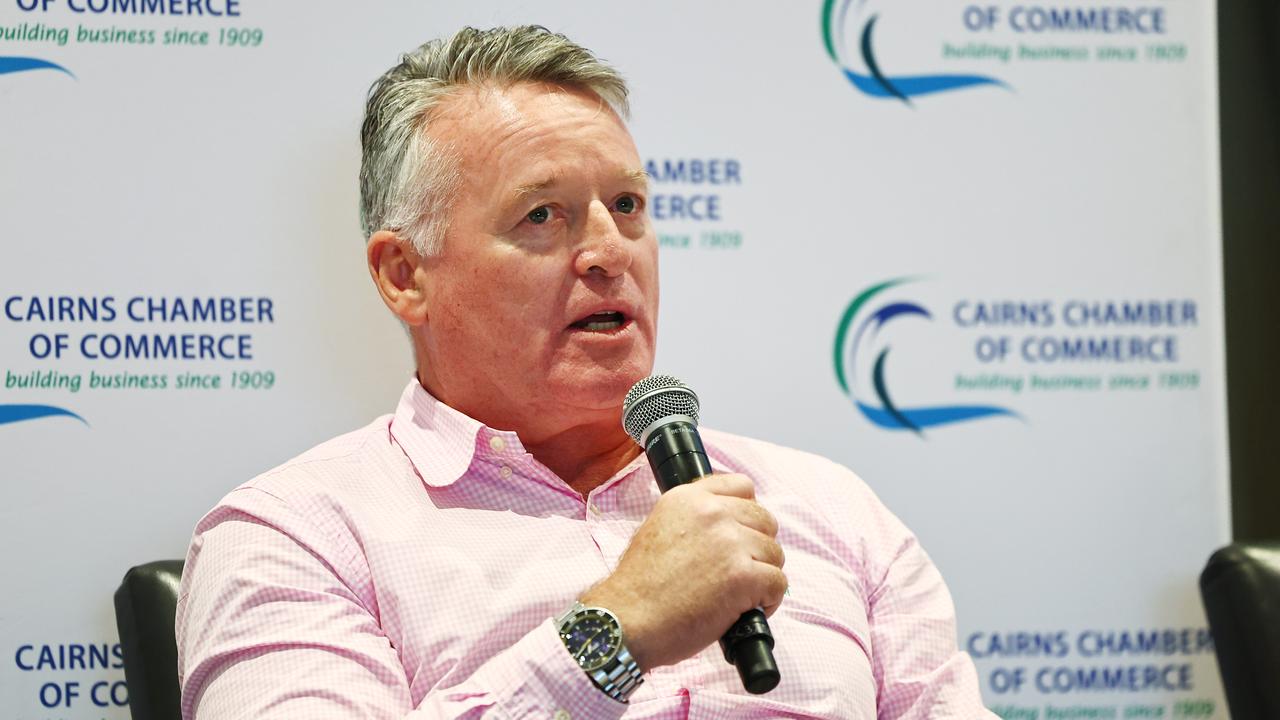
(407, 181)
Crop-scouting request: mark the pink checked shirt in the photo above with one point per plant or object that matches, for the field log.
(412, 568)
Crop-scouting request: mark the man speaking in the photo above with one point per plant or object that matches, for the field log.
(498, 547)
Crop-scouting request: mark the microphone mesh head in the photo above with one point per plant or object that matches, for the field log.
(654, 398)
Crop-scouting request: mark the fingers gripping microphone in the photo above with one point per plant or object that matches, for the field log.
(661, 414)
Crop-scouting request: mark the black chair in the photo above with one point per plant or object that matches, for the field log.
(1240, 586)
(145, 606)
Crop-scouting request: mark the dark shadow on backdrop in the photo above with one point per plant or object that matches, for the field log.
(1249, 82)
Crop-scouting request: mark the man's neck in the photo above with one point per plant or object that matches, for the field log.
(584, 455)
(569, 457)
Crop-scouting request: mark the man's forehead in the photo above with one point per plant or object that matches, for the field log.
(483, 124)
(484, 116)
(504, 99)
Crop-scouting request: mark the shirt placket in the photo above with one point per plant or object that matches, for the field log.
(611, 532)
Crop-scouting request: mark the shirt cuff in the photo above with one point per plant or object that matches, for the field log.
(537, 677)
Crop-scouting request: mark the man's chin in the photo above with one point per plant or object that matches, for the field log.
(601, 388)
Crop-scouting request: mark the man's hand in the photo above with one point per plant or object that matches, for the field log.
(705, 555)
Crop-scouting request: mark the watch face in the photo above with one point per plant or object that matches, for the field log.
(593, 638)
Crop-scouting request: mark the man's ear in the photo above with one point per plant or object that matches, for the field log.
(397, 270)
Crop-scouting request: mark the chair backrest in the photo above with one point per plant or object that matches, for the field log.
(1240, 586)
(145, 606)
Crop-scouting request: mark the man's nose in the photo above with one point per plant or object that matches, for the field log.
(604, 249)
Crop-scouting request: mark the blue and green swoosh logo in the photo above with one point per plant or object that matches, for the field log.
(856, 343)
(871, 79)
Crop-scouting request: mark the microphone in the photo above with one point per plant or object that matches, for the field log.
(661, 414)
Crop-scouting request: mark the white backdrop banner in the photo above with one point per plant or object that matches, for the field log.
(971, 251)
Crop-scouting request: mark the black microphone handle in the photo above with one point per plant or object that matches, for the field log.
(677, 457)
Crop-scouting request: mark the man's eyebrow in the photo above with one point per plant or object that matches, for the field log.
(534, 187)
(638, 176)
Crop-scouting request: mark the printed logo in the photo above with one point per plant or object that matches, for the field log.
(693, 201)
(862, 69)
(115, 344)
(18, 413)
(24, 64)
(1012, 38)
(857, 338)
(1048, 350)
(44, 25)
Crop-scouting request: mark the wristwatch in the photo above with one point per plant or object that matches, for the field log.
(593, 637)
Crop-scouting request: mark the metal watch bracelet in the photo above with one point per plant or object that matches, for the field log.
(620, 677)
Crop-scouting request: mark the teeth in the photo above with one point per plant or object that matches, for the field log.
(601, 321)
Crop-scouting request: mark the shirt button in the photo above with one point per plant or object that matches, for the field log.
(497, 443)
(594, 510)
(505, 472)
(561, 715)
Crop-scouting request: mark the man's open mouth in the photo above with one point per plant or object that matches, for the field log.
(603, 321)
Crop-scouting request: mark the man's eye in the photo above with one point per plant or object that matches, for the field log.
(537, 216)
(625, 204)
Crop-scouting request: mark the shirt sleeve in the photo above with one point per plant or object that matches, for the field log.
(920, 672)
(271, 624)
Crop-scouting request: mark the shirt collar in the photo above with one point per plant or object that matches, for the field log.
(442, 442)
